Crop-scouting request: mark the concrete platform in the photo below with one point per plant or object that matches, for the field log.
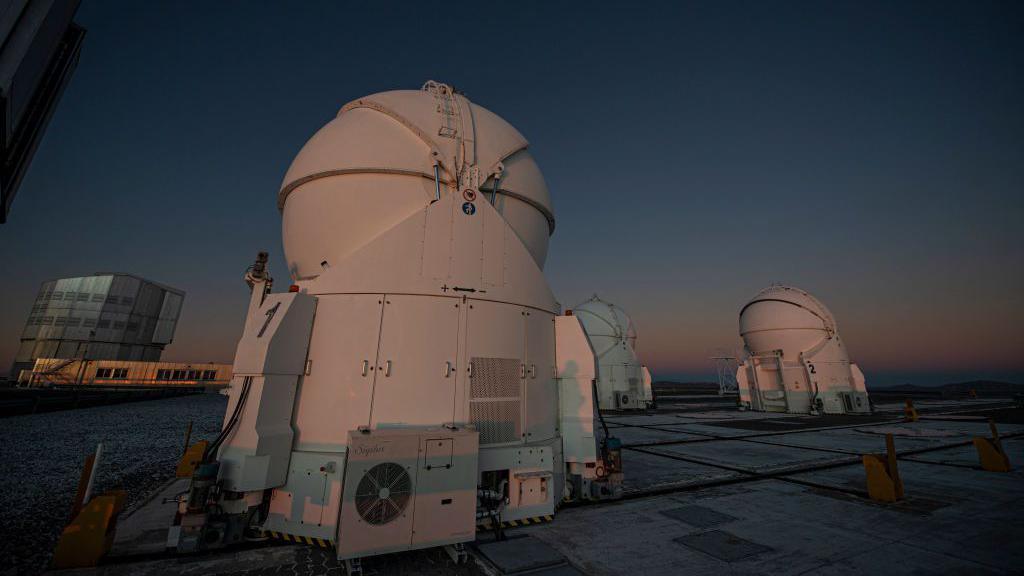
(701, 496)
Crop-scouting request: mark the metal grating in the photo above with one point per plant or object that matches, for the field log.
(495, 404)
(495, 378)
(496, 420)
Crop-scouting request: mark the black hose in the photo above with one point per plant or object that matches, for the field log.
(242, 396)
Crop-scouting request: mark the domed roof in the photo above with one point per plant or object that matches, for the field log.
(792, 296)
(407, 131)
(602, 318)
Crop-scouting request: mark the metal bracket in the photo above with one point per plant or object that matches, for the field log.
(457, 552)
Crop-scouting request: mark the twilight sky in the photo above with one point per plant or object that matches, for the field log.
(871, 153)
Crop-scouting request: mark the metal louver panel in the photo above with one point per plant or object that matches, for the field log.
(495, 404)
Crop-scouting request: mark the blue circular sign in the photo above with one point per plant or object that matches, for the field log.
(468, 208)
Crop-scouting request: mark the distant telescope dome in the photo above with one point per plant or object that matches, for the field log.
(607, 325)
(373, 166)
(787, 319)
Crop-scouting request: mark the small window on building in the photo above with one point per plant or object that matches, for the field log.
(120, 373)
(111, 299)
(69, 296)
(60, 321)
(193, 374)
(98, 298)
(118, 325)
(58, 294)
(163, 374)
(47, 320)
(127, 300)
(74, 322)
(103, 324)
(133, 326)
(209, 375)
(103, 372)
(179, 375)
(83, 296)
(89, 323)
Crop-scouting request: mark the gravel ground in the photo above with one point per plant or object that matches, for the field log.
(42, 456)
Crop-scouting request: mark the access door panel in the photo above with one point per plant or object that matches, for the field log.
(541, 389)
(495, 350)
(415, 382)
(334, 396)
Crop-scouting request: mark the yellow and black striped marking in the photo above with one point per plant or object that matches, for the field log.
(299, 539)
(488, 524)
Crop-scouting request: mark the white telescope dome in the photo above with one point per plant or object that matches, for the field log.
(373, 166)
(608, 326)
(787, 319)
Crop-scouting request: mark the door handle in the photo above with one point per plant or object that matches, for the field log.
(533, 370)
(447, 369)
(387, 368)
(366, 367)
(469, 369)
(522, 370)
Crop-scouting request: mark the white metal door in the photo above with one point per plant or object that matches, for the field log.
(334, 397)
(415, 383)
(541, 392)
(495, 349)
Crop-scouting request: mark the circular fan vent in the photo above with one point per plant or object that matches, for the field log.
(383, 493)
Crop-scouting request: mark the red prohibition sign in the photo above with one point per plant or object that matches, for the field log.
(469, 195)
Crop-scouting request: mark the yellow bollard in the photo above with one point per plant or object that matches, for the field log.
(190, 459)
(89, 536)
(990, 451)
(883, 475)
(909, 411)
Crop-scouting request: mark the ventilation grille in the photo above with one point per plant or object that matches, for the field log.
(634, 385)
(495, 404)
(383, 493)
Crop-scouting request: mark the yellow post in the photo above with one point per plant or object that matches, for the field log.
(192, 457)
(909, 411)
(883, 475)
(990, 451)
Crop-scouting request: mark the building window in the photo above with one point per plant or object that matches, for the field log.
(118, 325)
(111, 299)
(103, 324)
(89, 323)
(193, 375)
(103, 372)
(69, 296)
(83, 296)
(127, 300)
(57, 295)
(179, 375)
(209, 375)
(98, 298)
(133, 326)
(60, 321)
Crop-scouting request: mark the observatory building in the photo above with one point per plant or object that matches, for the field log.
(99, 317)
(796, 361)
(417, 378)
(623, 383)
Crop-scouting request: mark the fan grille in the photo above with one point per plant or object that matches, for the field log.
(383, 493)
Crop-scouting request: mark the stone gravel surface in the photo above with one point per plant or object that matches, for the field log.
(42, 456)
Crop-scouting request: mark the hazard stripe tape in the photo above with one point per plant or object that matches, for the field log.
(487, 525)
(309, 541)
